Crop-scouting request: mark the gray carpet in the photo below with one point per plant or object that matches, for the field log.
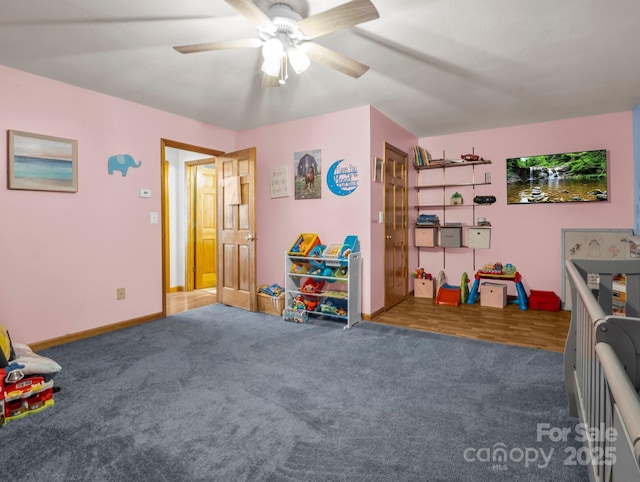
(223, 394)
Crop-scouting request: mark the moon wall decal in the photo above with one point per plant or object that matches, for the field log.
(344, 181)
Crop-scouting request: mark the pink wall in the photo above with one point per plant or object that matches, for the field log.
(340, 135)
(63, 255)
(355, 135)
(529, 236)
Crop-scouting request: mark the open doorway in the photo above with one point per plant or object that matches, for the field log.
(188, 226)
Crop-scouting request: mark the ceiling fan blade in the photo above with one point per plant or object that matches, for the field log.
(223, 45)
(334, 60)
(269, 81)
(338, 18)
(251, 12)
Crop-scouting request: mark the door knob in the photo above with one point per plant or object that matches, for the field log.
(388, 236)
(250, 237)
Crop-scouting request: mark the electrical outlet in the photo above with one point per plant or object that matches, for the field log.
(120, 294)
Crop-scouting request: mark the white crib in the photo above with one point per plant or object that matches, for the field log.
(602, 368)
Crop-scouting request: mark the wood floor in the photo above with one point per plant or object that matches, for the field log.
(511, 325)
(529, 328)
(180, 301)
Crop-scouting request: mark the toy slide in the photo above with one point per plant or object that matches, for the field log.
(452, 295)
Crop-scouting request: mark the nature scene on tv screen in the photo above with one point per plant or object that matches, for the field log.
(557, 178)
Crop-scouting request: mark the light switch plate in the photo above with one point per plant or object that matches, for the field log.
(145, 192)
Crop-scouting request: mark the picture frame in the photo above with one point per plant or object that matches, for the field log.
(378, 169)
(279, 182)
(307, 169)
(598, 243)
(40, 162)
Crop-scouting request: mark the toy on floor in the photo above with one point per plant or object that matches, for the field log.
(26, 379)
(452, 295)
(295, 316)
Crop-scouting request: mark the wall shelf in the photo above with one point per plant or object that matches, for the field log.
(440, 186)
(440, 165)
(481, 234)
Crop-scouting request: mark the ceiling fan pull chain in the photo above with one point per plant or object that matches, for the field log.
(283, 70)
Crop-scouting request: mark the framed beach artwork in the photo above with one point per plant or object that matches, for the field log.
(42, 163)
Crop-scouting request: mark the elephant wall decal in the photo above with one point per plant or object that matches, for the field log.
(122, 162)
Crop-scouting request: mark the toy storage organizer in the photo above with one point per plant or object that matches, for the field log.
(335, 295)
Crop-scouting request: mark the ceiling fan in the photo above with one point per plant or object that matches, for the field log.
(285, 38)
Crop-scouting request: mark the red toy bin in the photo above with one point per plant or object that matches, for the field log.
(544, 301)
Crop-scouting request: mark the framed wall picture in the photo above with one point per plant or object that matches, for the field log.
(604, 244)
(42, 163)
(307, 174)
(378, 169)
(279, 182)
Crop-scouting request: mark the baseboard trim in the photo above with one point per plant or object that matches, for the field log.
(61, 340)
(372, 316)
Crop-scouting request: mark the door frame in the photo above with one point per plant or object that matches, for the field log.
(164, 206)
(190, 166)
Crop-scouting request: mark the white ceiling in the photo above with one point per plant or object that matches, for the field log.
(437, 66)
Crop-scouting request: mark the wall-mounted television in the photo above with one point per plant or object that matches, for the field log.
(558, 178)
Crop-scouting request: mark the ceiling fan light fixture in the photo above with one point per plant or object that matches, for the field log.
(299, 60)
(272, 66)
(272, 49)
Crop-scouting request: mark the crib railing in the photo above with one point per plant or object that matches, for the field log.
(602, 368)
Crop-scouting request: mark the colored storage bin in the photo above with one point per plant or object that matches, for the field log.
(479, 238)
(493, 295)
(426, 237)
(451, 236)
(544, 301)
(424, 288)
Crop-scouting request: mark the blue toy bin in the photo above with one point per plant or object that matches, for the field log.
(315, 256)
